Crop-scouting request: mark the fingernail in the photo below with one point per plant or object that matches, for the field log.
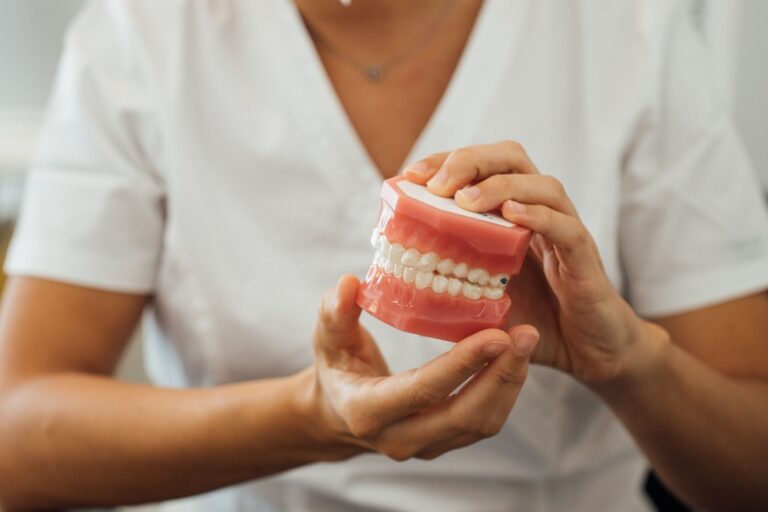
(494, 349)
(515, 206)
(419, 169)
(439, 179)
(525, 342)
(469, 193)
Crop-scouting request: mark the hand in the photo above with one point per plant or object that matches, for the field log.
(415, 413)
(587, 328)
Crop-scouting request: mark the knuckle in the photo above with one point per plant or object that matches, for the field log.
(469, 424)
(491, 428)
(498, 181)
(398, 452)
(362, 427)
(513, 145)
(512, 376)
(429, 455)
(555, 184)
(422, 393)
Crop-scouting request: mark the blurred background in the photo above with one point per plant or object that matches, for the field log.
(31, 34)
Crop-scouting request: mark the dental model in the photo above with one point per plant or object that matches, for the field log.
(439, 270)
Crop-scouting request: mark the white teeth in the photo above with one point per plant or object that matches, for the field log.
(439, 284)
(454, 286)
(379, 260)
(429, 271)
(471, 291)
(499, 280)
(423, 279)
(375, 237)
(410, 258)
(396, 253)
(478, 276)
(461, 270)
(493, 293)
(383, 246)
(445, 267)
(428, 262)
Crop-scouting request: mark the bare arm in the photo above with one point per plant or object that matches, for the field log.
(72, 436)
(700, 411)
(94, 440)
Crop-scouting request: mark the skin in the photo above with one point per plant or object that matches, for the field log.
(71, 435)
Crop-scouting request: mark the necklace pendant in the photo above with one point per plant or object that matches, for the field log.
(374, 73)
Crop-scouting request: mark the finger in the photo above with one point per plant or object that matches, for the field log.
(478, 411)
(475, 163)
(393, 398)
(421, 171)
(489, 194)
(337, 321)
(570, 237)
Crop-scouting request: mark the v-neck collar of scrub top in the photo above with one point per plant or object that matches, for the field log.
(452, 124)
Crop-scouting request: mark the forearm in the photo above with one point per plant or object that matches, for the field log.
(706, 434)
(74, 439)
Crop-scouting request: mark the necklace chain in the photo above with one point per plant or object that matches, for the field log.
(375, 72)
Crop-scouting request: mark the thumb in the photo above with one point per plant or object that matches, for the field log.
(337, 325)
(524, 338)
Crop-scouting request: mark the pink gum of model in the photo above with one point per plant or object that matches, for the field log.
(464, 292)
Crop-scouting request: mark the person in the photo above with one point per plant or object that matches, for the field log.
(214, 167)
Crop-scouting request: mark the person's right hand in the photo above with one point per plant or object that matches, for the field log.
(415, 413)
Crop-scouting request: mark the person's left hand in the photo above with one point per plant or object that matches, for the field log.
(587, 329)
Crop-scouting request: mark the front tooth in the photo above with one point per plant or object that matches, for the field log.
(471, 291)
(461, 270)
(389, 266)
(383, 246)
(499, 280)
(375, 237)
(439, 284)
(396, 253)
(409, 274)
(423, 279)
(454, 286)
(445, 266)
(478, 276)
(493, 293)
(410, 258)
(428, 262)
(398, 271)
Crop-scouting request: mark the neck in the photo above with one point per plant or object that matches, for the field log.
(375, 22)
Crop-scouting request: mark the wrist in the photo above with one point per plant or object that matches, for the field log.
(316, 422)
(649, 349)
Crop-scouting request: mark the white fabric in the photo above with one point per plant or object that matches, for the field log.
(196, 150)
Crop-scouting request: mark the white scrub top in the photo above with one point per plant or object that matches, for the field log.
(196, 150)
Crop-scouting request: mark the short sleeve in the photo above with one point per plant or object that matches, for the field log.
(693, 224)
(92, 212)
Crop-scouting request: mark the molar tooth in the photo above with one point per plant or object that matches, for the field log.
(379, 260)
(389, 266)
(454, 286)
(423, 279)
(398, 271)
(439, 284)
(396, 253)
(409, 274)
(410, 258)
(461, 270)
(445, 266)
(499, 280)
(478, 276)
(383, 244)
(471, 291)
(375, 237)
(493, 293)
(428, 262)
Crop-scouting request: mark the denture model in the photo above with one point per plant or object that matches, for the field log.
(439, 270)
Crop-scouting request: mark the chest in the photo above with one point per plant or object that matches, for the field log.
(389, 114)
